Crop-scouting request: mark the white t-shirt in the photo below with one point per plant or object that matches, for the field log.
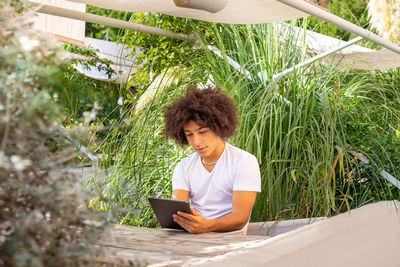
(211, 192)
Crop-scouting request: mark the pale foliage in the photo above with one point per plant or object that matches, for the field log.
(385, 18)
(158, 85)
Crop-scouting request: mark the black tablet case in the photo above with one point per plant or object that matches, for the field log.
(165, 208)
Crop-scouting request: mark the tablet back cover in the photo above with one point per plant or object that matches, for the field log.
(165, 208)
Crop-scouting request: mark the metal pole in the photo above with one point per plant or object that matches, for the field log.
(323, 14)
(72, 14)
(311, 60)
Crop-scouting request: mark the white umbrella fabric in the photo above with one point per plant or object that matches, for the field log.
(249, 12)
(239, 11)
(233, 11)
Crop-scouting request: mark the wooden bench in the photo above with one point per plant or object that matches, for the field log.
(367, 236)
(162, 247)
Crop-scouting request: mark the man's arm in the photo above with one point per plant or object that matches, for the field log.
(180, 194)
(242, 204)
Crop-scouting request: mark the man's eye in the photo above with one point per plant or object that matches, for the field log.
(203, 132)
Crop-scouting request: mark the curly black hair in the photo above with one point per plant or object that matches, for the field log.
(208, 107)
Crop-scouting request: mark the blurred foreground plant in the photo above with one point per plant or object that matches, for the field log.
(384, 17)
(42, 219)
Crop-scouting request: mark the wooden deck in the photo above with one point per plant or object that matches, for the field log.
(162, 247)
(365, 237)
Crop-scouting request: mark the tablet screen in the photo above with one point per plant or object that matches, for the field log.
(165, 208)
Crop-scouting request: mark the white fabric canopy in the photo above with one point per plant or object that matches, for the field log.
(235, 11)
(376, 60)
(123, 63)
(251, 11)
(355, 56)
(241, 12)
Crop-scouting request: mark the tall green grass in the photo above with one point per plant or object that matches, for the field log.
(300, 127)
(370, 102)
(140, 161)
(290, 125)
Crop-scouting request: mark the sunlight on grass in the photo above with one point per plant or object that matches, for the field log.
(300, 127)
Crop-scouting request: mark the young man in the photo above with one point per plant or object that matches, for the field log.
(221, 180)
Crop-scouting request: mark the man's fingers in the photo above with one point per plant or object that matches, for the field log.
(179, 218)
(185, 215)
(185, 223)
(194, 212)
(190, 222)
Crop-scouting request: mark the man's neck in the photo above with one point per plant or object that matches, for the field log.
(217, 153)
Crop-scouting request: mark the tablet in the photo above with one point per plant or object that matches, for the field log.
(165, 208)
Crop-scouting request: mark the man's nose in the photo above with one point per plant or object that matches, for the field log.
(196, 140)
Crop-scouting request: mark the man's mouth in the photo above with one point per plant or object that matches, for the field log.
(199, 150)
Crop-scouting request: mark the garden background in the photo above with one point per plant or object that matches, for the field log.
(322, 135)
(304, 128)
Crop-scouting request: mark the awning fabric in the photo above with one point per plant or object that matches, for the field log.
(234, 12)
(376, 60)
(123, 64)
(241, 12)
(355, 56)
(264, 11)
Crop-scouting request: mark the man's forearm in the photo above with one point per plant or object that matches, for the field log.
(229, 222)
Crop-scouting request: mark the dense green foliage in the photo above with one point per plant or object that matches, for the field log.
(301, 128)
(141, 161)
(99, 31)
(43, 217)
(80, 92)
(304, 128)
(160, 53)
(297, 126)
(371, 106)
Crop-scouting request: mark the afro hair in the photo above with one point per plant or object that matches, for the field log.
(208, 107)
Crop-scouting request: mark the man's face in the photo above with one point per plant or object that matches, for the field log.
(206, 143)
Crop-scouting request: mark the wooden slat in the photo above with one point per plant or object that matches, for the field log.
(164, 247)
(68, 40)
(274, 228)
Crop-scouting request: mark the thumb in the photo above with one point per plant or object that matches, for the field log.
(194, 212)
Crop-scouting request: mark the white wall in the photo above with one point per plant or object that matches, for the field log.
(69, 28)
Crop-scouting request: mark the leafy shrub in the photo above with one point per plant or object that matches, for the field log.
(299, 127)
(99, 31)
(140, 161)
(41, 221)
(159, 53)
(79, 92)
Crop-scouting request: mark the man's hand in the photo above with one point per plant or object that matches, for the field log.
(194, 223)
(242, 203)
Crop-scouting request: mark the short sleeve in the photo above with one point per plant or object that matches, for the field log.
(247, 175)
(179, 180)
